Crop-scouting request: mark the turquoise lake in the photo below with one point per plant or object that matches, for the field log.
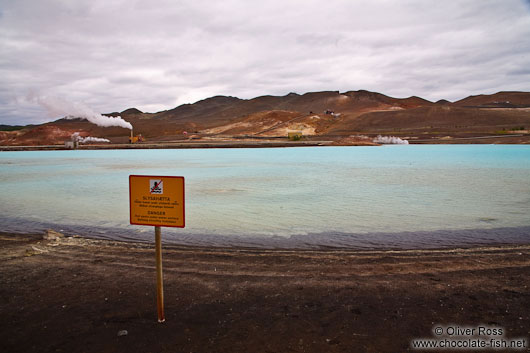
(403, 196)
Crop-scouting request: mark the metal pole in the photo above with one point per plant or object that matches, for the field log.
(159, 278)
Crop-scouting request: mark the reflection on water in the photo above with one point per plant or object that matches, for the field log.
(347, 195)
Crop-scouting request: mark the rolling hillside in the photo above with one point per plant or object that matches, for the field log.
(327, 114)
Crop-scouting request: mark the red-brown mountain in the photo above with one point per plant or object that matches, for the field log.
(325, 114)
(497, 100)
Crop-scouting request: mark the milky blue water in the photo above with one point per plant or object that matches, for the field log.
(365, 197)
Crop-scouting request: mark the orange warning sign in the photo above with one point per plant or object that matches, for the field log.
(156, 200)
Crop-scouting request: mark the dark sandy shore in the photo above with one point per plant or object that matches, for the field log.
(75, 295)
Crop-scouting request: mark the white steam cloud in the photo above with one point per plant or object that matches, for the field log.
(76, 137)
(92, 139)
(71, 110)
(390, 140)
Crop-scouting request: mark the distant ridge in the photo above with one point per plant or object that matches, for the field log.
(324, 114)
(131, 111)
(507, 99)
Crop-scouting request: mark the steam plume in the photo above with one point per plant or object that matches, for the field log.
(76, 137)
(390, 140)
(92, 139)
(57, 106)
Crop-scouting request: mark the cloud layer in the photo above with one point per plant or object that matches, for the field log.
(113, 54)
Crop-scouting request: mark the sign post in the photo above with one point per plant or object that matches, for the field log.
(159, 277)
(157, 201)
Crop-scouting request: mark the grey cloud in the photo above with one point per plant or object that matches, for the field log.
(114, 54)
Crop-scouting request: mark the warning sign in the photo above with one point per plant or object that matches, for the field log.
(156, 200)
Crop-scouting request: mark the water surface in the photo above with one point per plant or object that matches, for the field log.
(391, 196)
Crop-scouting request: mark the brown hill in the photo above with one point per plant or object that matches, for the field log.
(435, 120)
(315, 112)
(36, 136)
(221, 110)
(499, 99)
(254, 123)
(327, 113)
(131, 111)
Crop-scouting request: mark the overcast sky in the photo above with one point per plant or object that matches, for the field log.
(154, 55)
